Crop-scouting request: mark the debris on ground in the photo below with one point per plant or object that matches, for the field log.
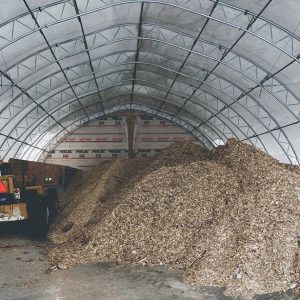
(226, 217)
(5, 245)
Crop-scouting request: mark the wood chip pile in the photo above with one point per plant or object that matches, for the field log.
(227, 217)
(93, 194)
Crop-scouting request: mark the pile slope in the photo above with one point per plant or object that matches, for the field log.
(227, 217)
(91, 195)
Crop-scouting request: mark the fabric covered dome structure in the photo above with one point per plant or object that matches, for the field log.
(219, 68)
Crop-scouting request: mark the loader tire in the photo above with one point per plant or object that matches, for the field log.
(39, 216)
(52, 202)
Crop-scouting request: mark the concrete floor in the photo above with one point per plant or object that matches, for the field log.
(23, 276)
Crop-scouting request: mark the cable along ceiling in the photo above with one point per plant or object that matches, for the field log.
(220, 69)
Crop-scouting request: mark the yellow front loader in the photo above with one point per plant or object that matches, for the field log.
(33, 205)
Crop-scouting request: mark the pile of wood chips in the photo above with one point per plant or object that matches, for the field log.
(227, 217)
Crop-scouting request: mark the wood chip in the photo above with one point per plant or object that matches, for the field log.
(228, 217)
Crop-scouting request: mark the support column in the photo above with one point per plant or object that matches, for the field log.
(131, 133)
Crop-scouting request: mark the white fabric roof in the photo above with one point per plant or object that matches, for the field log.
(221, 69)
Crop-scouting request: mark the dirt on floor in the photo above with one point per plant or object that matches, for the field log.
(227, 217)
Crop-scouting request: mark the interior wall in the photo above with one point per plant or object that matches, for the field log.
(107, 138)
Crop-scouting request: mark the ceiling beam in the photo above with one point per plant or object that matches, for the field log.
(86, 48)
(137, 53)
(53, 54)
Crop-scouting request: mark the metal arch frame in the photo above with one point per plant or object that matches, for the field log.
(137, 53)
(176, 94)
(220, 3)
(196, 39)
(138, 104)
(250, 24)
(232, 128)
(134, 107)
(249, 78)
(133, 24)
(270, 22)
(142, 1)
(24, 92)
(214, 130)
(254, 136)
(184, 9)
(145, 63)
(66, 116)
(23, 142)
(147, 96)
(247, 110)
(182, 74)
(235, 112)
(178, 121)
(93, 104)
(86, 46)
(52, 52)
(179, 95)
(197, 53)
(224, 55)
